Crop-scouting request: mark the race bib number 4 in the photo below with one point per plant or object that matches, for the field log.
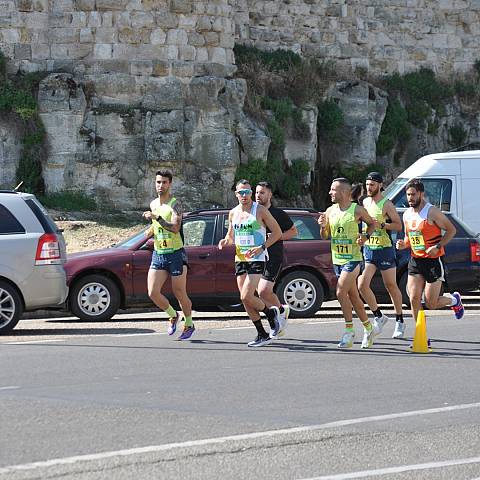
(417, 241)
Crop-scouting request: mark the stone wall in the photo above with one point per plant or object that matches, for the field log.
(137, 37)
(383, 36)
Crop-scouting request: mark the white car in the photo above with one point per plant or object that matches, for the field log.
(32, 254)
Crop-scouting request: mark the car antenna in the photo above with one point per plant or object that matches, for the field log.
(18, 186)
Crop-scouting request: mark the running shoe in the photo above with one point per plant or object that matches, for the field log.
(259, 341)
(347, 340)
(172, 327)
(458, 309)
(368, 336)
(187, 332)
(283, 320)
(379, 323)
(399, 331)
(274, 331)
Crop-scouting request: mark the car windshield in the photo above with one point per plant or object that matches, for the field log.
(130, 242)
(396, 185)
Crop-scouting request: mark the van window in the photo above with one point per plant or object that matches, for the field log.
(438, 191)
(8, 223)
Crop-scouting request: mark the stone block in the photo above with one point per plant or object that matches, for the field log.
(78, 19)
(217, 55)
(196, 39)
(86, 35)
(166, 20)
(142, 19)
(134, 36)
(64, 35)
(24, 5)
(161, 68)
(172, 52)
(165, 94)
(212, 39)
(183, 69)
(23, 52)
(103, 51)
(106, 35)
(108, 5)
(158, 36)
(204, 24)
(94, 19)
(141, 67)
(40, 51)
(187, 22)
(155, 5)
(10, 35)
(181, 6)
(84, 5)
(177, 37)
(186, 52)
(107, 19)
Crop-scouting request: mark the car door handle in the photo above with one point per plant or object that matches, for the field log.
(204, 255)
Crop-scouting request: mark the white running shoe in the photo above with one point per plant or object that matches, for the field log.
(399, 331)
(275, 331)
(379, 323)
(347, 340)
(283, 320)
(368, 336)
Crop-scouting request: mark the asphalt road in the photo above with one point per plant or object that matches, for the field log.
(122, 400)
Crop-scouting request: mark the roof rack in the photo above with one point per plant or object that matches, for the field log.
(9, 191)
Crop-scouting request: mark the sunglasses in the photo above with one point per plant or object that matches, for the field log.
(244, 192)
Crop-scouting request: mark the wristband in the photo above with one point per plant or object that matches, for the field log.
(438, 246)
(263, 246)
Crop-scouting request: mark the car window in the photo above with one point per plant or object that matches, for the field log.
(307, 227)
(438, 191)
(8, 223)
(131, 241)
(49, 226)
(198, 231)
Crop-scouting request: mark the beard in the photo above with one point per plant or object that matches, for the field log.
(415, 204)
(372, 193)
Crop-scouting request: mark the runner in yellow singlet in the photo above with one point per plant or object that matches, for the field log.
(169, 257)
(340, 223)
(379, 253)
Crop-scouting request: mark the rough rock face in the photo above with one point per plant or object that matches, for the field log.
(110, 146)
(10, 150)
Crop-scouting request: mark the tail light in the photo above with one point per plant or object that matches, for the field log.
(48, 250)
(475, 251)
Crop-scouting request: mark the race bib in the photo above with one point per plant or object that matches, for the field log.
(343, 248)
(417, 241)
(245, 240)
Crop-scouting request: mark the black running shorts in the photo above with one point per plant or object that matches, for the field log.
(431, 269)
(250, 268)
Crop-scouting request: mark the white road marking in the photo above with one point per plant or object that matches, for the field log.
(10, 387)
(231, 438)
(401, 469)
(37, 341)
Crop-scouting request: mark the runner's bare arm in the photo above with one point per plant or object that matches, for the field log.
(395, 221)
(290, 233)
(228, 240)
(176, 224)
(324, 223)
(362, 215)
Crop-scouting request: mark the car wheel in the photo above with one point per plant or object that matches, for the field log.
(11, 307)
(302, 292)
(94, 298)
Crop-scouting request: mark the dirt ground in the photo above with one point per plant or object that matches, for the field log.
(89, 231)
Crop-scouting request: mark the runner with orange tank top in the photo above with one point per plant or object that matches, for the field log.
(426, 269)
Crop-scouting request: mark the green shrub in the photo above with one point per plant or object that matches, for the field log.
(275, 61)
(466, 90)
(457, 136)
(357, 172)
(283, 108)
(476, 67)
(73, 200)
(395, 127)
(330, 119)
(276, 133)
(290, 187)
(299, 169)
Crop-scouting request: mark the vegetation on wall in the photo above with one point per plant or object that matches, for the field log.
(18, 100)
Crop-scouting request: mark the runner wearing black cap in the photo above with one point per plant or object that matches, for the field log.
(379, 253)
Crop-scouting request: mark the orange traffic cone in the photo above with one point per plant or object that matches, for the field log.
(420, 341)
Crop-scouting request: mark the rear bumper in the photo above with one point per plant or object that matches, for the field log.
(45, 287)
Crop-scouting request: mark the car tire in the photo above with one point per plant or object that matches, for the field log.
(94, 298)
(11, 306)
(302, 292)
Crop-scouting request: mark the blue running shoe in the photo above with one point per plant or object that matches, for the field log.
(458, 309)
(172, 326)
(187, 333)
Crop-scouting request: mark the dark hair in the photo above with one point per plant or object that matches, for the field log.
(243, 180)
(165, 173)
(357, 193)
(415, 183)
(343, 180)
(265, 185)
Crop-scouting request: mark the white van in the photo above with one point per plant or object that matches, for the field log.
(452, 183)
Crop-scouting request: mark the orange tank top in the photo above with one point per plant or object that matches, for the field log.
(420, 233)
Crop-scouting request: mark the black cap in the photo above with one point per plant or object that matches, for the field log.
(375, 176)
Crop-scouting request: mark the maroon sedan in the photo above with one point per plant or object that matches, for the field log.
(102, 281)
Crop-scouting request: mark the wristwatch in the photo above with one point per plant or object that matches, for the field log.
(263, 246)
(438, 246)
